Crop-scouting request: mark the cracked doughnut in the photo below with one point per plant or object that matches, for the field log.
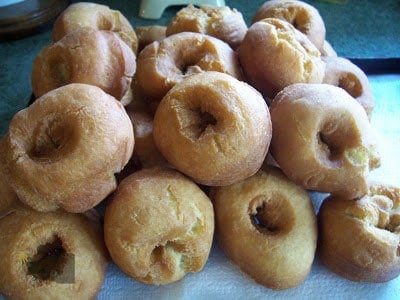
(221, 22)
(161, 65)
(304, 17)
(343, 73)
(88, 56)
(267, 226)
(274, 54)
(53, 255)
(323, 139)
(360, 239)
(159, 226)
(213, 128)
(96, 16)
(63, 150)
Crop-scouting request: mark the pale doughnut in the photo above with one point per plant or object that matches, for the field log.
(360, 239)
(213, 128)
(323, 139)
(221, 22)
(96, 16)
(303, 16)
(159, 226)
(88, 56)
(266, 224)
(274, 54)
(161, 65)
(63, 150)
(53, 255)
(343, 73)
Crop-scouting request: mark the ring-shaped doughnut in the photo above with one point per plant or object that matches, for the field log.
(96, 16)
(213, 128)
(266, 224)
(303, 16)
(274, 54)
(360, 239)
(323, 139)
(159, 226)
(343, 73)
(88, 56)
(63, 150)
(161, 65)
(55, 255)
(221, 22)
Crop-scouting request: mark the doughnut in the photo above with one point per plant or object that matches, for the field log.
(63, 150)
(304, 17)
(159, 226)
(327, 50)
(148, 34)
(221, 22)
(343, 73)
(161, 65)
(88, 56)
(55, 255)
(267, 226)
(213, 128)
(323, 139)
(96, 16)
(273, 55)
(360, 239)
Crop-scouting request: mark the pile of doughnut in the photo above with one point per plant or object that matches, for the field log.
(178, 132)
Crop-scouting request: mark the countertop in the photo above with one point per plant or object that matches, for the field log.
(367, 32)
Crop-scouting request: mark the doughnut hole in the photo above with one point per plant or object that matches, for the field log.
(49, 261)
(196, 119)
(351, 84)
(299, 19)
(335, 136)
(55, 137)
(271, 215)
(192, 61)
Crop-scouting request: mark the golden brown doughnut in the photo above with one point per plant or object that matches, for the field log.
(304, 17)
(221, 22)
(88, 56)
(323, 139)
(161, 65)
(360, 239)
(63, 150)
(54, 255)
(148, 34)
(213, 128)
(96, 16)
(267, 226)
(274, 54)
(159, 226)
(343, 73)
